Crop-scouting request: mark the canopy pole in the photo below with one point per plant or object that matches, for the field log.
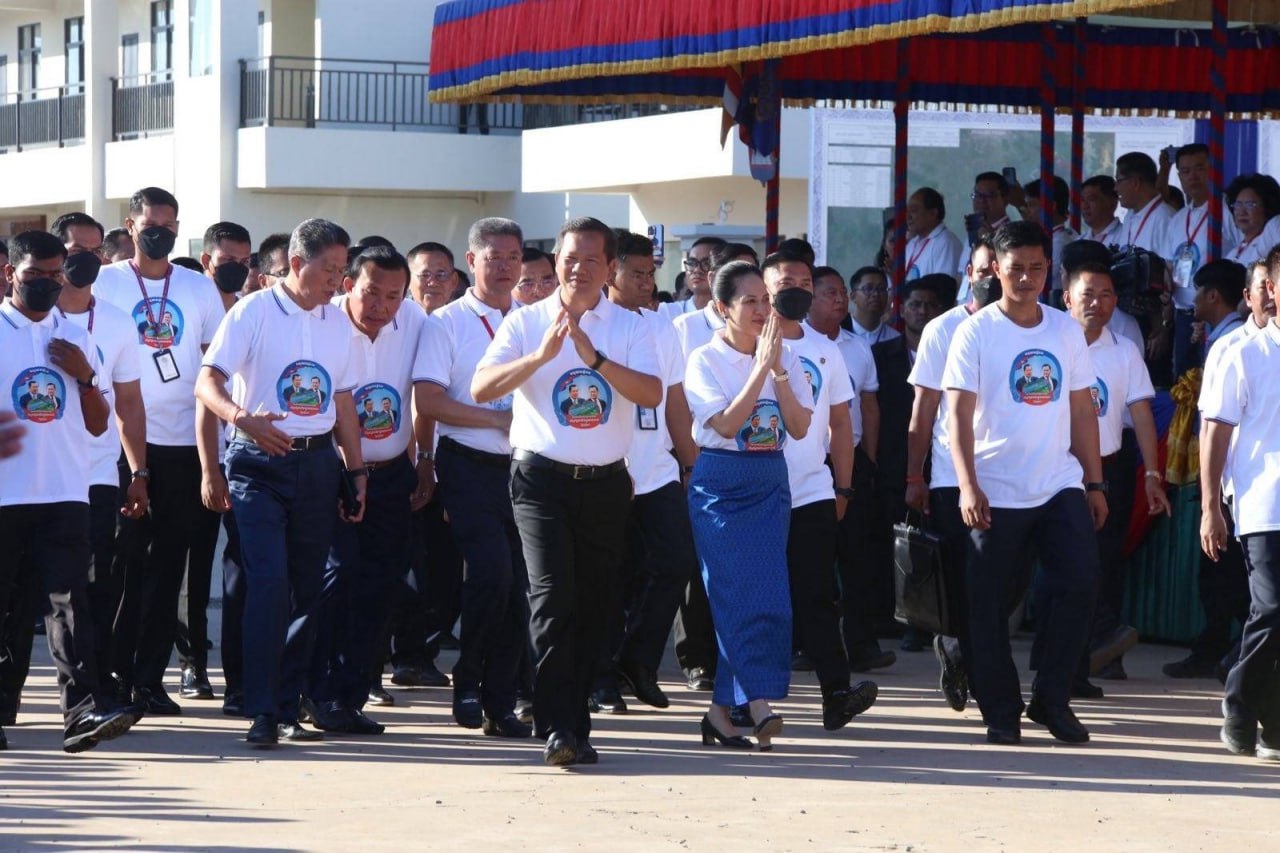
(1048, 99)
(771, 200)
(901, 117)
(1077, 123)
(1217, 125)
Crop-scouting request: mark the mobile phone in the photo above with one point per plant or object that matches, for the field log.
(1171, 153)
(1010, 174)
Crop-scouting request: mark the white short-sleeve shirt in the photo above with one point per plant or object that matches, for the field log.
(1212, 379)
(940, 252)
(457, 336)
(650, 461)
(861, 365)
(1246, 252)
(53, 466)
(670, 311)
(1145, 227)
(566, 411)
(181, 324)
(1110, 234)
(1022, 424)
(878, 335)
(289, 360)
(1185, 247)
(716, 374)
(383, 378)
(696, 329)
(1247, 397)
(1122, 380)
(931, 360)
(113, 338)
(822, 369)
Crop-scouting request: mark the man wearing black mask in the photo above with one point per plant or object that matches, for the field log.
(174, 313)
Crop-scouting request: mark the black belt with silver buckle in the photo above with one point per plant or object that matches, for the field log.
(497, 460)
(306, 442)
(577, 472)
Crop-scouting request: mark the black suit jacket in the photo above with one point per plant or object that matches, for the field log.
(896, 394)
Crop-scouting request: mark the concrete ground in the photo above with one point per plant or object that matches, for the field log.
(908, 775)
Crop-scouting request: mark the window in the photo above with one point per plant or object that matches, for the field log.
(28, 58)
(162, 39)
(262, 33)
(129, 57)
(4, 77)
(74, 31)
(200, 21)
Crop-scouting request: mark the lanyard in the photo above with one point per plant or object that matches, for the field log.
(485, 322)
(1100, 236)
(92, 306)
(911, 263)
(1240, 249)
(146, 300)
(1191, 235)
(1155, 203)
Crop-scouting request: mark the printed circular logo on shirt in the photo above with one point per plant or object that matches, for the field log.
(1101, 397)
(812, 375)
(38, 395)
(1035, 378)
(166, 331)
(378, 409)
(582, 399)
(304, 389)
(764, 430)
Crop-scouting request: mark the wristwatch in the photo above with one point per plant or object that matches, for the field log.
(1100, 486)
(142, 474)
(91, 383)
(426, 456)
(601, 358)
(844, 492)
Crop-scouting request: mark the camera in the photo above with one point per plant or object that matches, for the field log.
(1138, 276)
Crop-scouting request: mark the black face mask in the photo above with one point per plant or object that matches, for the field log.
(986, 290)
(39, 294)
(230, 276)
(156, 242)
(792, 303)
(82, 268)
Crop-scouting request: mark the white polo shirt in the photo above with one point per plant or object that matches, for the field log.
(456, 339)
(1246, 252)
(383, 374)
(566, 411)
(716, 374)
(940, 252)
(1122, 380)
(53, 466)
(1062, 235)
(861, 365)
(1185, 247)
(1022, 424)
(1247, 397)
(822, 369)
(696, 329)
(288, 360)
(194, 311)
(1212, 379)
(1110, 234)
(1124, 325)
(670, 311)
(114, 342)
(878, 335)
(650, 461)
(1145, 227)
(931, 361)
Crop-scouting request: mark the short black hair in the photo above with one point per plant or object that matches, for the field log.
(111, 239)
(983, 242)
(219, 231)
(932, 200)
(531, 254)
(1020, 235)
(382, 257)
(1104, 184)
(589, 225)
(1266, 187)
(713, 242)
(1077, 253)
(1137, 165)
(1228, 278)
(36, 246)
(632, 244)
(374, 240)
(996, 178)
(429, 246)
(61, 226)
(725, 285)
(1273, 263)
(273, 243)
(1087, 267)
(721, 255)
(797, 246)
(785, 256)
(188, 263)
(1061, 193)
(863, 271)
(313, 236)
(1190, 150)
(824, 271)
(939, 284)
(152, 197)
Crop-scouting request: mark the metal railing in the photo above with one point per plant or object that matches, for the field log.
(141, 106)
(41, 117)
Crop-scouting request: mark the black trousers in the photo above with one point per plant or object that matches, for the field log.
(574, 535)
(1224, 594)
(427, 601)
(495, 582)
(365, 562)
(945, 520)
(1119, 472)
(1061, 530)
(106, 588)
(44, 567)
(815, 606)
(233, 596)
(660, 562)
(1253, 685)
(177, 532)
(864, 579)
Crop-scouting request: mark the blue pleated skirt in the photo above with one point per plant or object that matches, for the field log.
(740, 506)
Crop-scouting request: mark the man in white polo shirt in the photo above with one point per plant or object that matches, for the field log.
(697, 278)
(870, 291)
(177, 528)
(933, 246)
(660, 558)
(282, 469)
(1026, 457)
(569, 485)
(1185, 247)
(1098, 202)
(367, 559)
(50, 370)
(473, 464)
(1147, 214)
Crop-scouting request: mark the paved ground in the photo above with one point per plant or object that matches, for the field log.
(908, 775)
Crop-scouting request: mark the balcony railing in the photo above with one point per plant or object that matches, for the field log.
(141, 106)
(41, 117)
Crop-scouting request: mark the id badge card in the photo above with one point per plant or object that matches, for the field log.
(166, 365)
(1184, 265)
(648, 418)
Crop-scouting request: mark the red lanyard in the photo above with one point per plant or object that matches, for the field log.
(1143, 224)
(485, 321)
(146, 300)
(911, 263)
(92, 304)
(1240, 249)
(1191, 235)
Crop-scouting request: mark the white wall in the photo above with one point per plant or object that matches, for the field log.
(389, 30)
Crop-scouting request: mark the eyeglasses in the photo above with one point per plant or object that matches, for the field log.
(438, 275)
(1245, 205)
(984, 196)
(693, 264)
(526, 284)
(871, 290)
(284, 273)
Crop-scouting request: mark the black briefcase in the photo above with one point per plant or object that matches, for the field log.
(922, 595)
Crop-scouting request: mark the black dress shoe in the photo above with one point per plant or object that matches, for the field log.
(362, 725)
(871, 658)
(740, 716)
(119, 689)
(195, 683)
(468, 711)
(587, 753)
(801, 662)
(262, 733)
(845, 704)
(419, 676)
(700, 679)
(606, 700)
(233, 704)
(1192, 666)
(1113, 671)
(8, 716)
(524, 710)
(953, 681)
(642, 683)
(380, 697)
(914, 640)
(508, 725)
(1084, 689)
(1061, 722)
(156, 702)
(4, 740)
(1004, 736)
(91, 728)
(331, 716)
(561, 750)
(1239, 735)
(292, 730)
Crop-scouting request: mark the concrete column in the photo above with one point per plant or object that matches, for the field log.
(101, 52)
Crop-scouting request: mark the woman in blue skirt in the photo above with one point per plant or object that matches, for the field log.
(745, 408)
